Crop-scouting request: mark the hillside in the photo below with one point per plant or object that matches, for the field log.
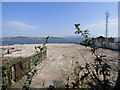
(28, 38)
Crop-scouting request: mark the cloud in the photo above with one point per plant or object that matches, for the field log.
(20, 25)
(98, 29)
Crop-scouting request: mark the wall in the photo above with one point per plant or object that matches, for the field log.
(18, 66)
(114, 46)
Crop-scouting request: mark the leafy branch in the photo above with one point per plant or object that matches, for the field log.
(31, 72)
(6, 75)
(97, 73)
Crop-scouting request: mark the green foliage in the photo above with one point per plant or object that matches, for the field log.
(6, 74)
(31, 72)
(95, 75)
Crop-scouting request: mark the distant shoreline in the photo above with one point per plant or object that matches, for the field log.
(37, 44)
(67, 40)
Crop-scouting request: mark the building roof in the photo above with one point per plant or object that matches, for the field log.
(100, 37)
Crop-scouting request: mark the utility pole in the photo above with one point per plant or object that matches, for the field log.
(107, 15)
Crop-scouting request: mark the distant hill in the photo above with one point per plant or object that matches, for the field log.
(29, 38)
(69, 37)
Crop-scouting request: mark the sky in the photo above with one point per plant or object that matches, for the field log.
(57, 19)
